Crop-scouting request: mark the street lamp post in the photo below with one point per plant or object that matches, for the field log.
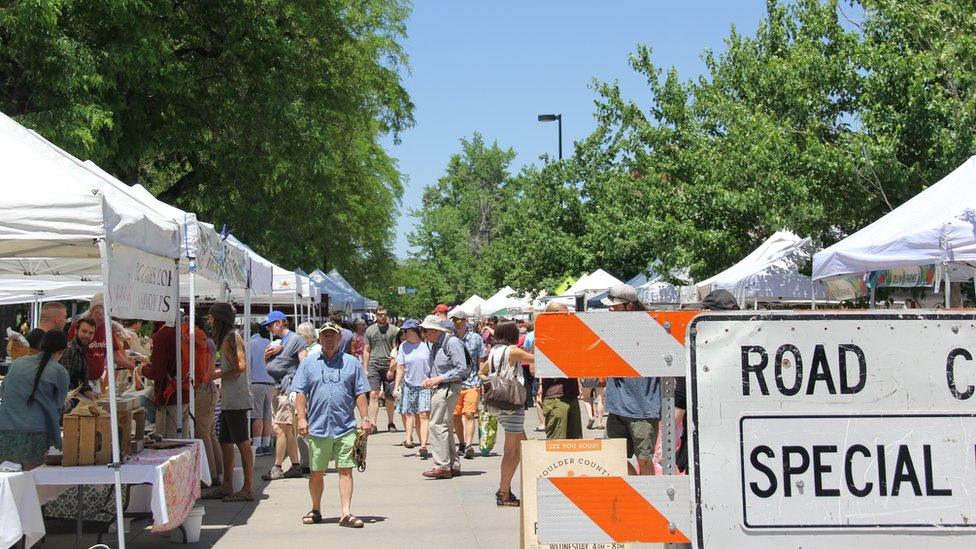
(555, 118)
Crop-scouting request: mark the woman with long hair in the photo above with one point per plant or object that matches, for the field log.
(235, 402)
(31, 401)
(413, 401)
(505, 360)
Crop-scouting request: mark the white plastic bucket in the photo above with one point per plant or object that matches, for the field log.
(192, 526)
(237, 481)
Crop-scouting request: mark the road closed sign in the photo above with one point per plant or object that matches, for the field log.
(833, 430)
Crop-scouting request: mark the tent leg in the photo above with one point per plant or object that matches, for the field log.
(192, 343)
(872, 297)
(178, 322)
(948, 295)
(247, 341)
(113, 408)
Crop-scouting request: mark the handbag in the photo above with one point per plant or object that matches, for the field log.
(503, 393)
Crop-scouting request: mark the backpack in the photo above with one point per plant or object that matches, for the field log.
(203, 365)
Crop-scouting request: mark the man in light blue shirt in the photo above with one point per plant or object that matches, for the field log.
(448, 366)
(330, 386)
(467, 405)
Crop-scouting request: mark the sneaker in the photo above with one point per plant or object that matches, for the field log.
(469, 452)
(391, 428)
(268, 450)
(460, 449)
(295, 471)
(274, 474)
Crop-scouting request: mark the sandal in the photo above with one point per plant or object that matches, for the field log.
(239, 496)
(312, 517)
(351, 521)
(424, 452)
(506, 500)
(214, 493)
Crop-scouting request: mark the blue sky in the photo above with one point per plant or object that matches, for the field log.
(491, 67)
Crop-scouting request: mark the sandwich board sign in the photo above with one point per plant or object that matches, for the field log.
(840, 430)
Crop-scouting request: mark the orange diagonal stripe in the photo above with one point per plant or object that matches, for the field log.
(576, 350)
(618, 509)
(679, 321)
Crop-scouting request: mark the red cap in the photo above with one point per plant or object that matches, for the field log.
(441, 309)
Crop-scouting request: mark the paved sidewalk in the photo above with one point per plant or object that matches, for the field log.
(399, 506)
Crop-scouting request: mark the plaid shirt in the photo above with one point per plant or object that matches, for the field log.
(75, 361)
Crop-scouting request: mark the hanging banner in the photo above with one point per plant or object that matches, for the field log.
(141, 284)
(219, 260)
(854, 286)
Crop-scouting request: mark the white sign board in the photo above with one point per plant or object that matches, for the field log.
(847, 430)
(141, 284)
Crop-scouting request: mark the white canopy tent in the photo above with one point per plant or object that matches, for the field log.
(597, 281)
(471, 306)
(362, 303)
(929, 238)
(770, 273)
(501, 299)
(53, 210)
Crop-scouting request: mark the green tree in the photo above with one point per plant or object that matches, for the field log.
(265, 116)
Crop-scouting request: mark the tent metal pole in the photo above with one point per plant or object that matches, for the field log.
(178, 324)
(872, 297)
(247, 341)
(948, 296)
(112, 405)
(192, 343)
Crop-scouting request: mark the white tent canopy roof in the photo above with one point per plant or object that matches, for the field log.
(500, 300)
(53, 207)
(770, 272)
(597, 281)
(471, 306)
(938, 225)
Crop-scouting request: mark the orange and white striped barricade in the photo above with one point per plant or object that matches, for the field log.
(620, 344)
(632, 509)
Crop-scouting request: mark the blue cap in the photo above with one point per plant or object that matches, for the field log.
(448, 325)
(410, 324)
(274, 316)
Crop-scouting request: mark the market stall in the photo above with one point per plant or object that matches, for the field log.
(929, 241)
(55, 211)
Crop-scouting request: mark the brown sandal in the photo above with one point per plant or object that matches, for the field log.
(350, 521)
(239, 496)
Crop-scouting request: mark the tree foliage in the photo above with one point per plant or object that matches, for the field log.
(828, 116)
(265, 116)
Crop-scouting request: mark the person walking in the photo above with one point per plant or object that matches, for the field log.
(380, 340)
(560, 396)
(465, 423)
(235, 402)
(505, 360)
(329, 386)
(262, 392)
(448, 367)
(282, 358)
(358, 339)
(413, 401)
(633, 403)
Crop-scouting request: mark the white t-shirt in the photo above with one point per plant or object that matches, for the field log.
(497, 362)
(415, 358)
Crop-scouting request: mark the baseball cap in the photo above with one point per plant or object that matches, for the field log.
(410, 324)
(274, 316)
(459, 313)
(720, 300)
(620, 294)
(330, 326)
(441, 308)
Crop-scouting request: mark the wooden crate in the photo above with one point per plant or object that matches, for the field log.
(87, 440)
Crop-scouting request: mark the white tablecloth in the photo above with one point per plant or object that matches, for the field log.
(20, 512)
(52, 481)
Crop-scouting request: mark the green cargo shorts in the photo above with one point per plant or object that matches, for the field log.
(323, 450)
(641, 434)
